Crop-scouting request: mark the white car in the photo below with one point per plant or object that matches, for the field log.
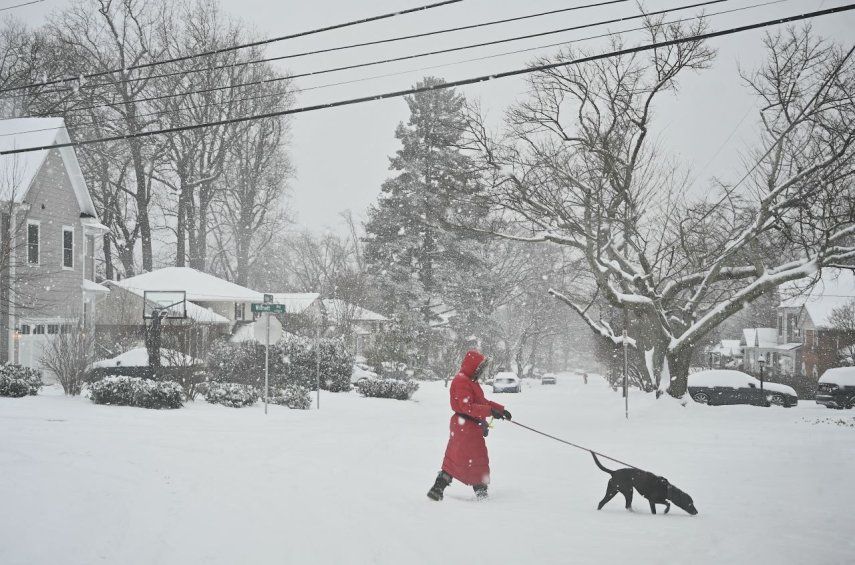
(507, 382)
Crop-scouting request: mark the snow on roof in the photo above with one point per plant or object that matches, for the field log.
(339, 308)
(19, 170)
(138, 357)
(729, 347)
(835, 288)
(200, 287)
(760, 337)
(90, 286)
(843, 376)
(295, 302)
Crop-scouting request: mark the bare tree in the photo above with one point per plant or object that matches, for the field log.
(842, 322)
(69, 355)
(578, 169)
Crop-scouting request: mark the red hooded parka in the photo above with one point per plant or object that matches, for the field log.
(466, 455)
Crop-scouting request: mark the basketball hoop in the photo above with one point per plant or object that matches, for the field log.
(164, 304)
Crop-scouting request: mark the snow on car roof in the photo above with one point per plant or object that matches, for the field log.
(839, 375)
(719, 377)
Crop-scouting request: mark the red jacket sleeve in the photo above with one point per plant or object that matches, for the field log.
(465, 400)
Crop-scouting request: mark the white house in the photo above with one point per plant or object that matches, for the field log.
(50, 235)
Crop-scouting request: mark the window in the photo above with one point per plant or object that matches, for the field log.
(53, 329)
(33, 243)
(240, 310)
(90, 258)
(67, 247)
(39, 329)
(780, 325)
(25, 329)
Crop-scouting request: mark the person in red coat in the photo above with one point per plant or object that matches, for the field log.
(466, 456)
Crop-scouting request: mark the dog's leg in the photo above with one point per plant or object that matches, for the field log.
(652, 506)
(667, 506)
(611, 491)
(627, 494)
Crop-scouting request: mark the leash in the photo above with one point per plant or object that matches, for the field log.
(576, 445)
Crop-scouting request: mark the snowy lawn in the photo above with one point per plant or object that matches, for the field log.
(206, 484)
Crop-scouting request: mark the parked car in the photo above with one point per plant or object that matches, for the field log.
(548, 379)
(836, 388)
(507, 382)
(724, 386)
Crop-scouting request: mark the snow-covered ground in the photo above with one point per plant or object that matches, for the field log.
(88, 484)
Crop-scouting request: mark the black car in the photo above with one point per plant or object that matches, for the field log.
(836, 388)
(722, 386)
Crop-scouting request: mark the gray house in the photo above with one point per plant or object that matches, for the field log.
(50, 234)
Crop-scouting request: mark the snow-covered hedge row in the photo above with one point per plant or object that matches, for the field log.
(292, 361)
(134, 391)
(17, 381)
(388, 388)
(235, 395)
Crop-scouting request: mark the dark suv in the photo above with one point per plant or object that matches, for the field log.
(836, 388)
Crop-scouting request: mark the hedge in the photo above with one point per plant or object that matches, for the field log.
(387, 388)
(17, 381)
(135, 391)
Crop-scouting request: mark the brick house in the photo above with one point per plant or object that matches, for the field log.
(810, 314)
(50, 233)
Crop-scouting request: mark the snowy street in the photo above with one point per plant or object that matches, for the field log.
(208, 484)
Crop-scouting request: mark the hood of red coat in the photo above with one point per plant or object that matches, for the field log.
(471, 362)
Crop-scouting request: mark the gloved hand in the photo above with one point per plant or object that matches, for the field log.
(501, 415)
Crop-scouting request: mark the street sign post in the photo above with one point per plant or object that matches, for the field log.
(267, 329)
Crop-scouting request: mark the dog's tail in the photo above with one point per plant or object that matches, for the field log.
(600, 465)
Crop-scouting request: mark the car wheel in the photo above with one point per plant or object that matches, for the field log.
(851, 403)
(776, 400)
(701, 398)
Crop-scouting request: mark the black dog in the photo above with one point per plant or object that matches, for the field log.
(657, 490)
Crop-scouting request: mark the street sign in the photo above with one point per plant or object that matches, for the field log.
(268, 308)
(268, 299)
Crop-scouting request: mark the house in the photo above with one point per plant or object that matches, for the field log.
(50, 235)
(756, 344)
(214, 306)
(808, 315)
(361, 325)
(725, 353)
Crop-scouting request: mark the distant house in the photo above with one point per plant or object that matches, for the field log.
(805, 317)
(756, 344)
(361, 325)
(214, 306)
(50, 234)
(726, 353)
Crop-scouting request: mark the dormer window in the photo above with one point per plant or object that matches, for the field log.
(67, 247)
(33, 241)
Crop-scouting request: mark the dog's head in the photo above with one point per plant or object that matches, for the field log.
(681, 499)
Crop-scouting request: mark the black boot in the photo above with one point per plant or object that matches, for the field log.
(443, 479)
(480, 492)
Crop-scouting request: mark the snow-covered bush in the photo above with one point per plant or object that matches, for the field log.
(388, 388)
(17, 381)
(134, 391)
(293, 396)
(235, 395)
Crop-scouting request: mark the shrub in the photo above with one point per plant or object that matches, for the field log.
(294, 396)
(17, 381)
(388, 388)
(235, 395)
(189, 378)
(68, 355)
(134, 391)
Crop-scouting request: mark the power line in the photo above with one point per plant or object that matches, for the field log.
(452, 84)
(235, 47)
(409, 71)
(361, 44)
(403, 58)
(21, 5)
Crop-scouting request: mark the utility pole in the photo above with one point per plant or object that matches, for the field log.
(318, 364)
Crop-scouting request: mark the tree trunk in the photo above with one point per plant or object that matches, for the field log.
(108, 257)
(141, 198)
(679, 366)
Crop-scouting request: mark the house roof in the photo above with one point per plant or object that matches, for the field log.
(19, 170)
(730, 347)
(295, 302)
(340, 308)
(760, 337)
(835, 288)
(195, 312)
(199, 286)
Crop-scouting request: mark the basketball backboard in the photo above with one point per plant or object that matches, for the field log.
(168, 303)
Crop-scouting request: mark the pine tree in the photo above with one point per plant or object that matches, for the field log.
(407, 243)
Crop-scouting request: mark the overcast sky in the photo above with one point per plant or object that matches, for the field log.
(341, 155)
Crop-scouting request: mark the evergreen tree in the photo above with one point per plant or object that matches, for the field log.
(407, 243)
